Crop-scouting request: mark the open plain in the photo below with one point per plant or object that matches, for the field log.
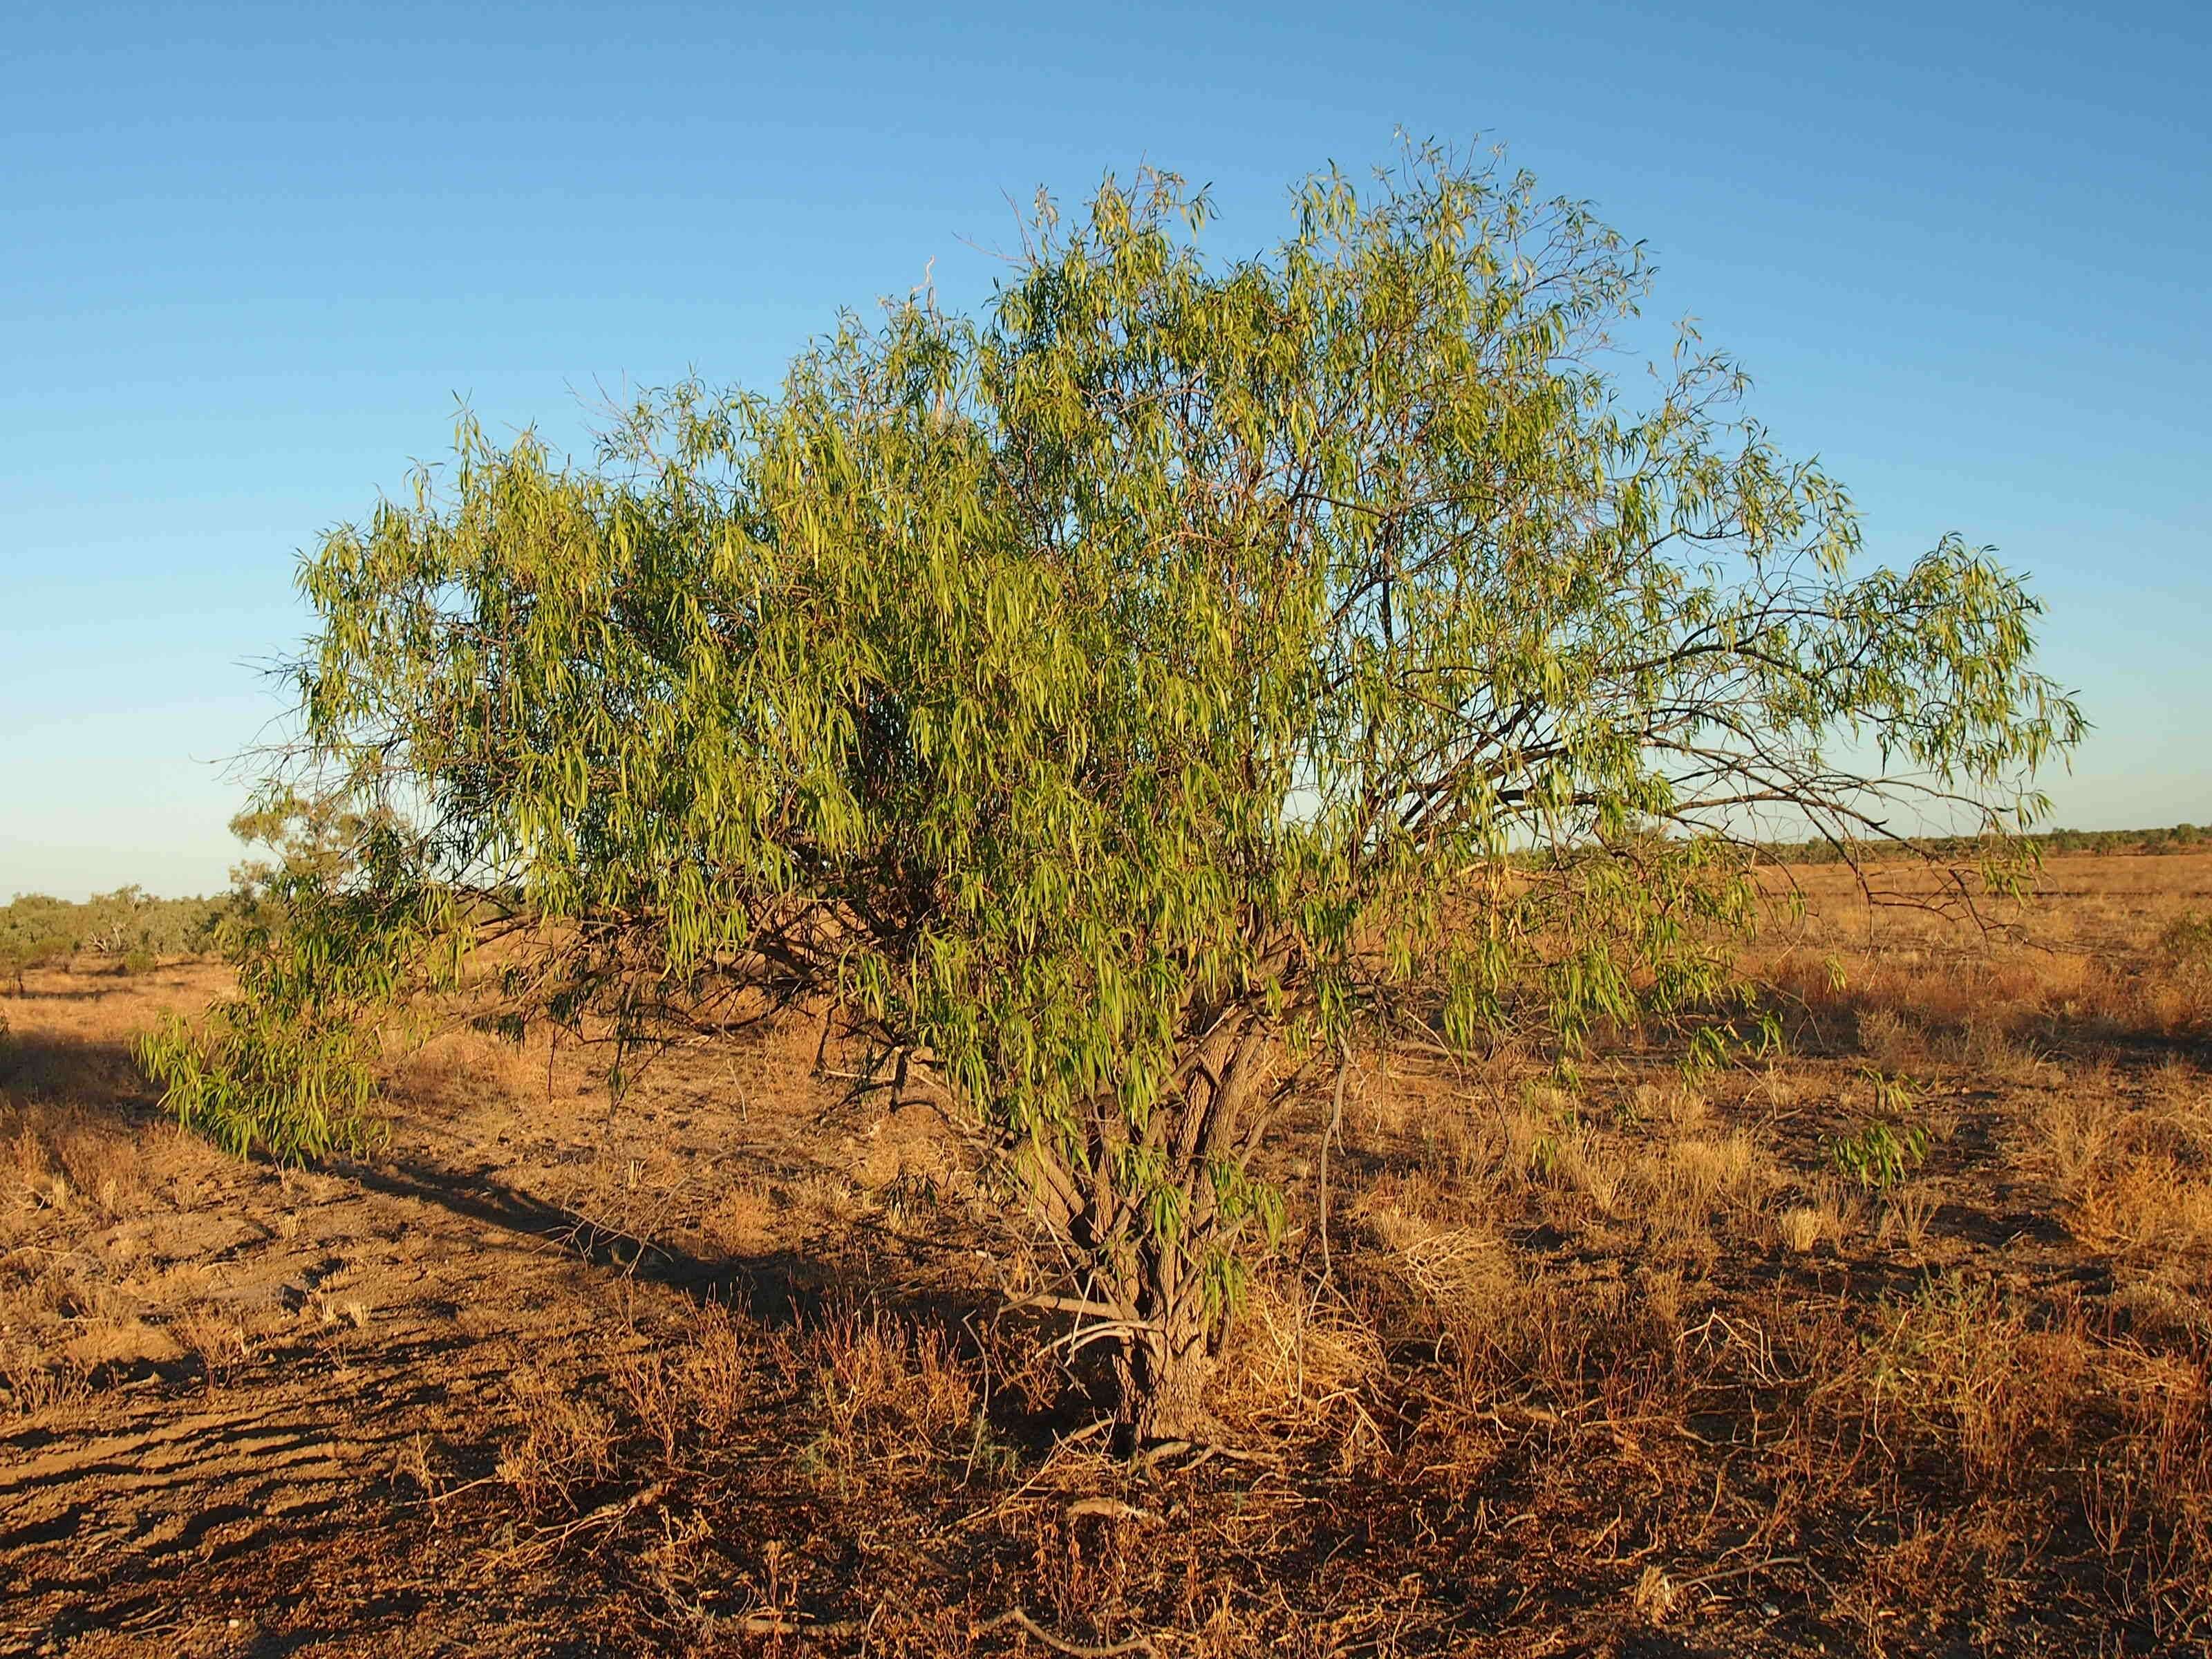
(1898, 1343)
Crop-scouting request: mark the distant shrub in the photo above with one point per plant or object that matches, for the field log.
(2180, 838)
(2186, 942)
(129, 920)
(38, 930)
(21, 953)
(2185, 946)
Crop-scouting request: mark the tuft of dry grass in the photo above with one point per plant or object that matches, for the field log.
(1703, 1170)
(743, 1221)
(2134, 1169)
(894, 1395)
(567, 1443)
(1886, 1038)
(217, 1339)
(1656, 1597)
(1964, 1367)
(1294, 1360)
(1587, 1163)
(1906, 1210)
(1800, 1227)
(2150, 1204)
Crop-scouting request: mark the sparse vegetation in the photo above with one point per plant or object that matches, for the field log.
(1587, 1369)
(125, 927)
(2186, 945)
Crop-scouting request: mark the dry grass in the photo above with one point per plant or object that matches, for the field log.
(2133, 1167)
(1631, 1370)
(1294, 1360)
(567, 1442)
(744, 1220)
(1800, 1227)
(1907, 1213)
(893, 1394)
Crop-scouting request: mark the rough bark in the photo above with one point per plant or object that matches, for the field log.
(1163, 1380)
(1164, 1361)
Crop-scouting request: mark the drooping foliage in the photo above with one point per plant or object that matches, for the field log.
(1116, 700)
(332, 933)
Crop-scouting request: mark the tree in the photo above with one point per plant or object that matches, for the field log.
(1119, 701)
(35, 932)
(132, 924)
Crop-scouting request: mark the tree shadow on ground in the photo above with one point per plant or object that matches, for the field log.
(99, 1078)
(774, 1287)
(68, 1085)
(59, 1069)
(790, 1290)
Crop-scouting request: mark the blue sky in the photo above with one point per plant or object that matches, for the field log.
(249, 257)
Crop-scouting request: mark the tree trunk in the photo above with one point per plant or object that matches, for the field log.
(1162, 1374)
(1163, 1368)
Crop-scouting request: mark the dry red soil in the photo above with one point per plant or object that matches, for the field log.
(729, 1368)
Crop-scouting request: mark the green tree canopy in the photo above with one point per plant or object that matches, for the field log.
(1116, 699)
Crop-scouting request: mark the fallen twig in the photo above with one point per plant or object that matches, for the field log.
(786, 1624)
